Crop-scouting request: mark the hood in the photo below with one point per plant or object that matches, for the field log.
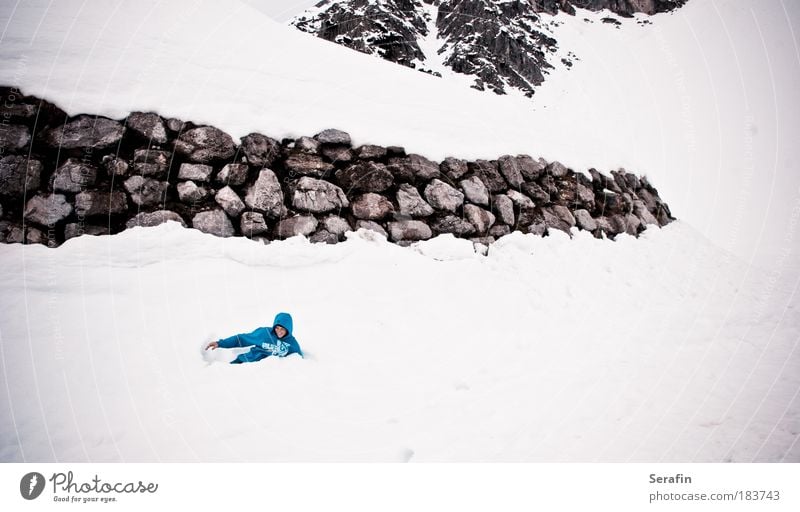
(285, 321)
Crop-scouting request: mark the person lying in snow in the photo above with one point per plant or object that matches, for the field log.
(266, 341)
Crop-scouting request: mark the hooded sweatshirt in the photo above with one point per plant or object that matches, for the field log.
(264, 341)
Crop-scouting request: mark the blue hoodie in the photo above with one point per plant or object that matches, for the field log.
(264, 341)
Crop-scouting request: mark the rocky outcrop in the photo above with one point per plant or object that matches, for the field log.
(153, 173)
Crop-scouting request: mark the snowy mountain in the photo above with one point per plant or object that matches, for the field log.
(502, 44)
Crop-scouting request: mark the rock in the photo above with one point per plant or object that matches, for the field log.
(332, 136)
(475, 191)
(557, 169)
(632, 181)
(553, 220)
(452, 224)
(150, 219)
(371, 206)
(47, 209)
(148, 125)
(372, 226)
(205, 144)
(585, 196)
(336, 225)
(531, 169)
(395, 151)
(481, 219)
(146, 191)
(537, 228)
(419, 167)
(409, 230)
(306, 164)
(195, 172)
(19, 176)
(370, 152)
(14, 137)
(548, 184)
(323, 236)
(307, 145)
(151, 162)
(190, 193)
(365, 177)
(489, 174)
(253, 223)
(297, 225)
(663, 214)
(632, 224)
(598, 180)
(442, 196)
(618, 223)
(214, 222)
(536, 192)
(266, 195)
(233, 175)
(411, 203)
(74, 229)
(175, 125)
(520, 200)
(584, 220)
(73, 176)
(260, 150)
(229, 201)
(317, 196)
(604, 225)
(96, 202)
(650, 201)
(337, 154)
(503, 207)
(641, 211)
(115, 166)
(499, 230)
(85, 132)
(511, 170)
(453, 168)
(564, 214)
(11, 233)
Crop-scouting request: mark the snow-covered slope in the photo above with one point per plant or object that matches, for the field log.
(434, 354)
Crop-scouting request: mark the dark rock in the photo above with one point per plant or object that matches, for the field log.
(584, 220)
(150, 219)
(410, 202)
(19, 176)
(531, 169)
(511, 170)
(317, 196)
(190, 193)
(149, 126)
(409, 230)
(195, 172)
(370, 152)
(503, 207)
(146, 191)
(332, 136)
(76, 229)
(557, 169)
(307, 145)
(395, 151)
(452, 224)
(454, 168)
(297, 225)
(233, 175)
(214, 222)
(337, 154)
(418, 166)
(73, 176)
(371, 206)
(96, 202)
(365, 177)
(115, 166)
(253, 223)
(307, 164)
(489, 174)
(323, 236)
(536, 192)
(85, 132)
(14, 137)
(481, 219)
(205, 144)
(260, 150)
(499, 230)
(151, 162)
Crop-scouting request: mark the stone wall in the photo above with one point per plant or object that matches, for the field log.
(62, 177)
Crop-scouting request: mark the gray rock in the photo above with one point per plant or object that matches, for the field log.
(453, 224)
(499, 230)
(618, 223)
(151, 162)
(189, 192)
(307, 164)
(150, 219)
(317, 196)
(214, 222)
(260, 150)
(323, 236)
(442, 196)
(47, 209)
(175, 125)
(371, 206)
(536, 192)
(307, 145)
(205, 144)
(475, 191)
(233, 175)
(337, 154)
(148, 125)
(503, 207)
(370, 152)
(297, 225)
(195, 172)
(73, 176)
(85, 132)
(564, 214)
(365, 177)
(537, 228)
(409, 230)
(557, 169)
(632, 224)
(19, 176)
(604, 225)
(489, 174)
(14, 137)
(96, 202)
(115, 166)
(511, 170)
(411, 203)
(585, 196)
(229, 201)
(520, 200)
(253, 223)
(650, 201)
(266, 195)
(146, 191)
(481, 219)
(372, 226)
(641, 211)
(74, 229)
(419, 167)
(454, 168)
(553, 220)
(332, 136)
(11, 233)
(584, 220)
(35, 236)
(336, 225)
(531, 169)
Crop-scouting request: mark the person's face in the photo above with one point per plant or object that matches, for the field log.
(280, 331)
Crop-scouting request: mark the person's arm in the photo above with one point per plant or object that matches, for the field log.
(241, 340)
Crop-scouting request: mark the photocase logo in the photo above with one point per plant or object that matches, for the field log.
(31, 485)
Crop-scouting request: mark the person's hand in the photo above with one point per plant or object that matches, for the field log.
(213, 345)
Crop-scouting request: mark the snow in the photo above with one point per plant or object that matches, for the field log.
(670, 347)
(433, 354)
